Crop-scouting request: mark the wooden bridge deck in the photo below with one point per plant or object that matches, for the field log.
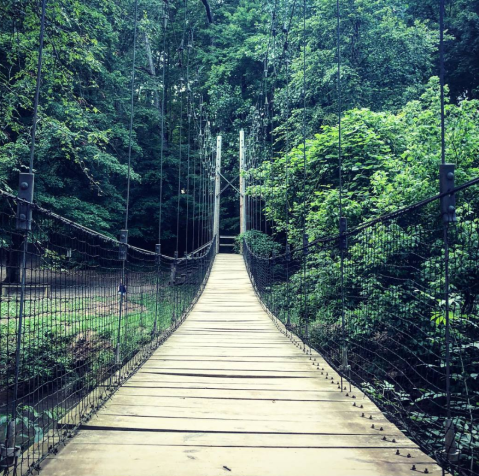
(229, 394)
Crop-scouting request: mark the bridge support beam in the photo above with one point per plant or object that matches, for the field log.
(242, 184)
(216, 221)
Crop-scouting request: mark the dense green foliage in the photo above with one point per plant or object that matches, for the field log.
(389, 160)
(389, 51)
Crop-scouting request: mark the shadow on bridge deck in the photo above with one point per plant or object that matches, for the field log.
(229, 394)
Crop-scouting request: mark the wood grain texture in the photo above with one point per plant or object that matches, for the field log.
(229, 394)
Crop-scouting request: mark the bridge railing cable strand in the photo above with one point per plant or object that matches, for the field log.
(66, 343)
(394, 274)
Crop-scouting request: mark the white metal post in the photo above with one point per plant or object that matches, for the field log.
(216, 224)
(242, 185)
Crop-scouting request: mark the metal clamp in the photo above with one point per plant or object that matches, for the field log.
(25, 193)
(448, 202)
(123, 251)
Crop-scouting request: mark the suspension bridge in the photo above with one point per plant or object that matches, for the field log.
(349, 354)
(232, 391)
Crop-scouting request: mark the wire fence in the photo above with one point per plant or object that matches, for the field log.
(80, 312)
(381, 316)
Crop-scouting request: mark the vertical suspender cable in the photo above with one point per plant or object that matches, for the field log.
(288, 164)
(179, 176)
(189, 114)
(132, 113)
(162, 127)
(182, 86)
(37, 88)
(339, 92)
(122, 288)
(446, 243)
(162, 139)
(451, 451)
(344, 357)
(442, 81)
(10, 437)
(194, 195)
(305, 172)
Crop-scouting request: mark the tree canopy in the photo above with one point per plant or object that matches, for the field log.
(227, 65)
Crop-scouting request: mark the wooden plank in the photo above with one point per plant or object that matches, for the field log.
(127, 459)
(228, 393)
(238, 440)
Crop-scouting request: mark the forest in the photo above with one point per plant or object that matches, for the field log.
(243, 65)
(348, 108)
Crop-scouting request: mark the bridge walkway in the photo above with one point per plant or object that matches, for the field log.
(230, 394)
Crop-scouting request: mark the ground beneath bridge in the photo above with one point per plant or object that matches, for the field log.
(230, 394)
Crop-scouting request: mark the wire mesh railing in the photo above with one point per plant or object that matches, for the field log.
(379, 317)
(80, 312)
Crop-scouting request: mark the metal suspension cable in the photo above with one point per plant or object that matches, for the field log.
(288, 162)
(194, 199)
(11, 433)
(132, 113)
(270, 107)
(189, 114)
(179, 175)
(338, 46)
(442, 80)
(122, 288)
(450, 444)
(341, 218)
(38, 83)
(305, 174)
(200, 171)
(180, 127)
(304, 119)
(162, 127)
(286, 57)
